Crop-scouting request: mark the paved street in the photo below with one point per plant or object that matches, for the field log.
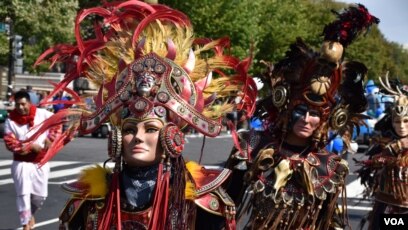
(86, 151)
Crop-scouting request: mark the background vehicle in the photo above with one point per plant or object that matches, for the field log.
(102, 131)
(3, 116)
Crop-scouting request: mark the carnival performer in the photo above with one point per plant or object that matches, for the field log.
(155, 80)
(30, 181)
(284, 178)
(384, 173)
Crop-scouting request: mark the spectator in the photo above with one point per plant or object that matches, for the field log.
(375, 107)
(30, 180)
(60, 97)
(34, 98)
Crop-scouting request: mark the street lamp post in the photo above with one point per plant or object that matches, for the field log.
(11, 58)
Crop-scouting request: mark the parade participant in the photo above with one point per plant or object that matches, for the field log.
(30, 181)
(283, 177)
(156, 80)
(384, 173)
(34, 98)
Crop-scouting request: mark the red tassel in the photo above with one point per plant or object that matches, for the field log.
(235, 138)
(231, 224)
(112, 206)
(161, 200)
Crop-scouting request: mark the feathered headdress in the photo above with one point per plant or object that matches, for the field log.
(321, 79)
(193, 81)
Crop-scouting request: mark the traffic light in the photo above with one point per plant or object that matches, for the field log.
(18, 47)
(18, 53)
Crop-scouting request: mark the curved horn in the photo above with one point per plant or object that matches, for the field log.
(139, 48)
(171, 50)
(189, 66)
(387, 85)
(387, 80)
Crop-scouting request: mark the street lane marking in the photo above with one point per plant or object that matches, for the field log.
(54, 174)
(355, 189)
(360, 208)
(6, 171)
(5, 162)
(47, 222)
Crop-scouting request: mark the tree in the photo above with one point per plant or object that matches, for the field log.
(41, 23)
(272, 25)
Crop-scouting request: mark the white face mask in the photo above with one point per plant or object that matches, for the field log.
(144, 84)
(400, 125)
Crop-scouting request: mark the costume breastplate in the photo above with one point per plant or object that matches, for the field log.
(292, 189)
(393, 182)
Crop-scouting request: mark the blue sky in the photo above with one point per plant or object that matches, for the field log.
(393, 15)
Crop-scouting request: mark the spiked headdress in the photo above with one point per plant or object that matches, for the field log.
(146, 62)
(322, 80)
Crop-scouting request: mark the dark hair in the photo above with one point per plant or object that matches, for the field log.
(22, 94)
(29, 87)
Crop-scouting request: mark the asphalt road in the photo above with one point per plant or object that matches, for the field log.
(86, 151)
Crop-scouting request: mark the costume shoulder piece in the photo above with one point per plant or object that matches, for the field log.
(247, 144)
(92, 185)
(206, 191)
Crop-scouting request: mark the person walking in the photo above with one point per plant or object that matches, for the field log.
(30, 181)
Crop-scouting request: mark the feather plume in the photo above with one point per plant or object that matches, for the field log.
(350, 23)
(95, 179)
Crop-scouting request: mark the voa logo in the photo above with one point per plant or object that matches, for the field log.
(393, 221)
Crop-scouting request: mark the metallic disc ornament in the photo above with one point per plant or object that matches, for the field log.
(172, 140)
(339, 118)
(279, 96)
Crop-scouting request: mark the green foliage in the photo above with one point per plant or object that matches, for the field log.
(272, 25)
(42, 23)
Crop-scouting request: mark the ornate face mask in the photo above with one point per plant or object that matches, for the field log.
(141, 146)
(400, 125)
(305, 121)
(144, 83)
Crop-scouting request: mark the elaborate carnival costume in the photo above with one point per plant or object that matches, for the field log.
(149, 66)
(385, 172)
(288, 185)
